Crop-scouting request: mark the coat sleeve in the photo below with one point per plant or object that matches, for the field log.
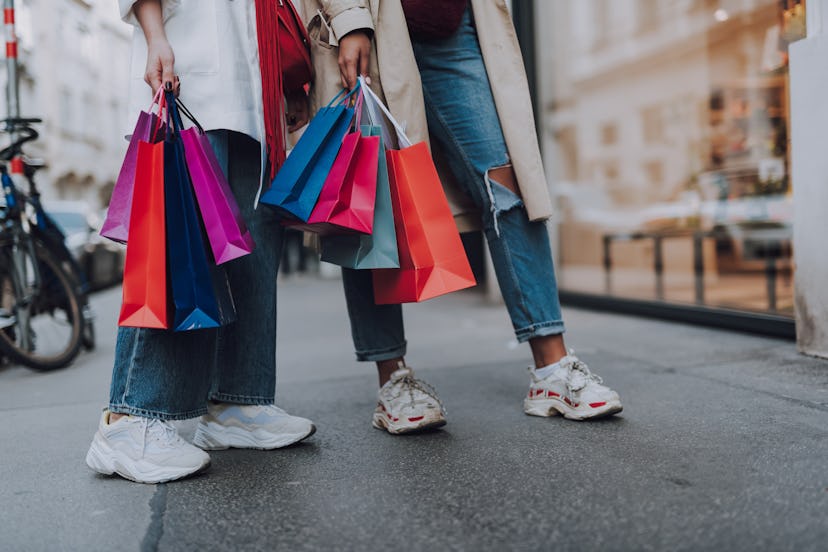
(345, 16)
(128, 14)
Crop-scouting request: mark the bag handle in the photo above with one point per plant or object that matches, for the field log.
(162, 107)
(360, 100)
(371, 96)
(339, 99)
(180, 107)
(156, 99)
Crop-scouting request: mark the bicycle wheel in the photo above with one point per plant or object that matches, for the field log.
(40, 315)
(77, 276)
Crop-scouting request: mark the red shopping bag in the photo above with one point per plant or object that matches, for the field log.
(432, 258)
(145, 270)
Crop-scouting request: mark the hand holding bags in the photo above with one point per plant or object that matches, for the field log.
(432, 259)
(168, 265)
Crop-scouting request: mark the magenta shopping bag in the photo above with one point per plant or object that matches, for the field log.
(226, 230)
(149, 128)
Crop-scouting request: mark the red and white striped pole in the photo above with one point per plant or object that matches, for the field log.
(12, 83)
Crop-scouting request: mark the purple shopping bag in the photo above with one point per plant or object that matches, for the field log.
(149, 128)
(226, 230)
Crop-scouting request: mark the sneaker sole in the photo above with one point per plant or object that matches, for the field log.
(102, 459)
(551, 407)
(213, 436)
(380, 421)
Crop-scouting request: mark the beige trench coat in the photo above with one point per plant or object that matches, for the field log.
(395, 78)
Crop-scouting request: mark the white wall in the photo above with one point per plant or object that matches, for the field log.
(809, 143)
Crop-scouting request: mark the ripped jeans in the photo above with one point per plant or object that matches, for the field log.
(463, 123)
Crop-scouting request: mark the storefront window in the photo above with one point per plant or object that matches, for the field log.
(666, 126)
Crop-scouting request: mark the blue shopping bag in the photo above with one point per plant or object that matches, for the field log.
(375, 250)
(299, 181)
(200, 291)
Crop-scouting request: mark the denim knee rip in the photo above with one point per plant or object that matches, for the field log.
(501, 198)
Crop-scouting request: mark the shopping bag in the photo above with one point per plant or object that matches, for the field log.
(223, 222)
(346, 202)
(148, 128)
(432, 258)
(145, 268)
(192, 284)
(296, 187)
(375, 250)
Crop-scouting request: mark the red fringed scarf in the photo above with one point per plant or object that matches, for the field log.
(273, 98)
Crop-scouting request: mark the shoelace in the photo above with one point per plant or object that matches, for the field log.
(159, 430)
(409, 383)
(578, 376)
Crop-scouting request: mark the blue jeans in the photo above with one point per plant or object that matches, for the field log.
(172, 375)
(463, 123)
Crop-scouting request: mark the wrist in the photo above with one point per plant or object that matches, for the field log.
(367, 33)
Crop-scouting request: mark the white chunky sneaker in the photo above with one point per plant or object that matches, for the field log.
(144, 450)
(407, 404)
(262, 427)
(572, 391)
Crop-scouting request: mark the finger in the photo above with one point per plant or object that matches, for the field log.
(177, 86)
(167, 72)
(351, 73)
(364, 61)
(153, 78)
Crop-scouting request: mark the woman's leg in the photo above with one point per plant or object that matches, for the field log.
(377, 330)
(246, 355)
(463, 122)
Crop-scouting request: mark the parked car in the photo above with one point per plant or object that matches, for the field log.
(101, 259)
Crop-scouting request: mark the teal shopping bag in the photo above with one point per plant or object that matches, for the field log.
(297, 185)
(375, 250)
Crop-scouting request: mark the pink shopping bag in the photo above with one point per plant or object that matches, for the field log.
(226, 230)
(148, 128)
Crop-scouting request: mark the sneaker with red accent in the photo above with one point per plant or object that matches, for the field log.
(406, 404)
(572, 391)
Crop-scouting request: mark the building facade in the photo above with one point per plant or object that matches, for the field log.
(666, 130)
(74, 66)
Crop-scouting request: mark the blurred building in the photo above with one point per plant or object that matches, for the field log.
(74, 58)
(665, 126)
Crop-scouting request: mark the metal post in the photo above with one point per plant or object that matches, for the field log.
(698, 265)
(658, 266)
(12, 83)
(607, 241)
(770, 276)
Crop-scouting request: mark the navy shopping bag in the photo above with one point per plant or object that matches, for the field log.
(299, 181)
(375, 250)
(200, 292)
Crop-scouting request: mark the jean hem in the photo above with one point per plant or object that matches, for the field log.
(156, 414)
(542, 329)
(378, 355)
(242, 399)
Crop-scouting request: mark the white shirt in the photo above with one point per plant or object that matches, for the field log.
(216, 57)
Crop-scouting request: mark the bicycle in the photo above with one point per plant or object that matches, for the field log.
(44, 312)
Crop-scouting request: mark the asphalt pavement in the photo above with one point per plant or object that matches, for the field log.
(721, 445)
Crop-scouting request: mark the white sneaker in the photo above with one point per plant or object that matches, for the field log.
(407, 404)
(263, 427)
(571, 390)
(144, 450)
